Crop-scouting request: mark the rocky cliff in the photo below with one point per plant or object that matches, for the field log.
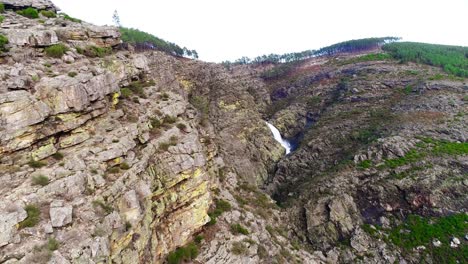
(115, 156)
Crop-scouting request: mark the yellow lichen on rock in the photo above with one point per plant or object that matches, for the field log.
(115, 98)
(229, 107)
(187, 85)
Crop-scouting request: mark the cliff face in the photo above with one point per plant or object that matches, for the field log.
(117, 158)
(123, 179)
(122, 157)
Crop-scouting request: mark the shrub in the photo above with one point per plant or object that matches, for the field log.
(3, 42)
(125, 92)
(29, 13)
(56, 51)
(72, 74)
(94, 51)
(238, 248)
(128, 226)
(221, 206)
(239, 229)
(36, 164)
(40, 180)
(100, 204)
(181, 126)
(198, 239)
(164, 146)
(2, 8)
(183, 254)
(49, 14)
(1, 19)
(113, 170)
(165, 96)
(365, 164)
(170, 119)
(173, 140)
(57, 156)
(52, 244)
(155, 123)
(33, 217)
(67, 17)
(124, 166)
(35, 78)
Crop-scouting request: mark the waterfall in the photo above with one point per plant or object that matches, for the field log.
(277, 136)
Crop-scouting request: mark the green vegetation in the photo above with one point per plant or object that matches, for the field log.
(451, 58)
(36, 164)
(170, 119)
(365, 164)
(43, 253)
(354, 45)
(105, 207)
(368, 57)
(143, 40)
(136, 87)
(3, 42)
(40, 180)
(165, 96)
(48, 13)
(1, 19)
(124, 166)
(72, 74)
(239, 229)
(58, 156)
(279, 71)
(410, 157)
(29, 13)
(202, 104)
(33, 218)
(67, 17)
(422, 231)
(183, 254)
(238, 248)
(450, 148)
(95, 51)
(113, 170)
(346, 46)
(2, 8)
(198, 239)
(52, 244)
(181, 126)
(221, 206)
(56, 51)
(125, 92)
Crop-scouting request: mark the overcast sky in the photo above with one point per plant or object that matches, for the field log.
(226, 30)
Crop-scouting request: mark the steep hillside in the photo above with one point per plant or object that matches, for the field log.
(111, 154)
(378, 141)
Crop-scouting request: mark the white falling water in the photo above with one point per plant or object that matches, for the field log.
(277, 136)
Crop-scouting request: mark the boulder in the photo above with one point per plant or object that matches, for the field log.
(8, 221)
(33, 37)
(38, 4)
(60, 213)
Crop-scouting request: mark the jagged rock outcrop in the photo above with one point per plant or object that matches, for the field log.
(38, 4)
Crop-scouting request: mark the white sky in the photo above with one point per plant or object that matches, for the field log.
(226, 30)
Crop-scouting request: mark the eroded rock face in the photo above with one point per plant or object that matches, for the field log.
(38, 4)
(35, 37)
